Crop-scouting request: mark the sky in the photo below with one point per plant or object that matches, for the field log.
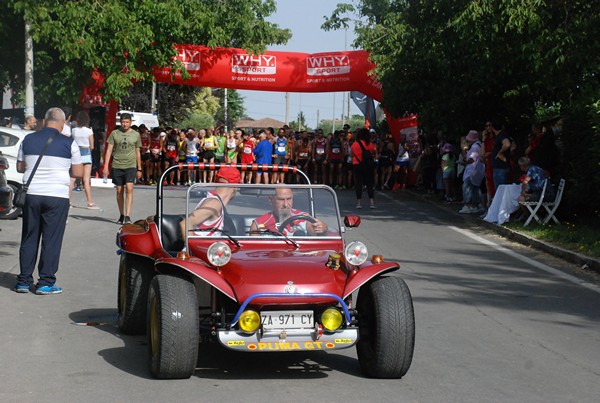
(304, 19)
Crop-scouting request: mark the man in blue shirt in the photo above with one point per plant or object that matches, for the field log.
(533, 182)
(47, 204)
(264, 155)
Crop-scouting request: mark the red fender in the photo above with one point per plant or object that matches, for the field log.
(198, 268)
(359, 277)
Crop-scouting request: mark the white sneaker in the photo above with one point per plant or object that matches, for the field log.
(465, 209)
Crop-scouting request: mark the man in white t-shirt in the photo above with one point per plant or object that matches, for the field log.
(47, 204)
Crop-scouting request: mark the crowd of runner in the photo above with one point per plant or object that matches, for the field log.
(325, 158)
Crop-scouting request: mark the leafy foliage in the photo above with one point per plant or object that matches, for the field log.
(123, 39)
(460, 63)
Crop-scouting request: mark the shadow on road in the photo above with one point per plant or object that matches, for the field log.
(131, 357)
(92, 218)
(214, 361)
(8, 280)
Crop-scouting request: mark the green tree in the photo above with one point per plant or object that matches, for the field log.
(123, 39)
(459, 63)
(300, 119)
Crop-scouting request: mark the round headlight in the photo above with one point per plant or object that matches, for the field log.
(218, 254)
(331, 319)
(356, 253)
(249, 321)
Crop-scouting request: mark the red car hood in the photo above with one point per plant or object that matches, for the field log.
(286, 271)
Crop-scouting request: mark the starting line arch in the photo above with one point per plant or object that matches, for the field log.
(235, 68)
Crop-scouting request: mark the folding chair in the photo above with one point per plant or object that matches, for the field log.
(534, 206)
(553, 205)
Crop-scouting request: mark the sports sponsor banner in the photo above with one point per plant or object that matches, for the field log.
(274, 70)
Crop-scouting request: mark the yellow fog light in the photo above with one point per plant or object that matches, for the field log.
(249, 321)
(331, 319)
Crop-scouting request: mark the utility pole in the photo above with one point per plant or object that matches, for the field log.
(317, 119)
(300, 113)
(29, 95)
(287, 108)
(225, 109)
(153, 99)
(333, 120)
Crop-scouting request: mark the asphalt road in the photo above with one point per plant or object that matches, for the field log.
(494, 321)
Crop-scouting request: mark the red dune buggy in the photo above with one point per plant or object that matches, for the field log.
(270, 271)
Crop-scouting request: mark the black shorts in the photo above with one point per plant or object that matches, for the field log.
(208, 155)
(145, 156)
(122, 176)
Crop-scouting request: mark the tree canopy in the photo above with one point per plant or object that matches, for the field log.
(123, 39)
(460, 63)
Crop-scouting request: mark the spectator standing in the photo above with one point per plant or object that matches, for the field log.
(84, 137)
(319, 157)
(264, 155)
(221, 141)
(364, 175)
(473, 175)
(124, 146)
(30, 122)
(500, 156)
(192, 144)
(401, 167)
(280, 155)
(209, 144)
(448, 165)
(171, 152)
(47, 204)
(489, 138)
(247, 155)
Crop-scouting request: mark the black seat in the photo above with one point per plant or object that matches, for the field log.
(172, 239)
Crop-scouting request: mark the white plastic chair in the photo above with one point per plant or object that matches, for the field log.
(534, 206)
(553, 205)
(549, 206)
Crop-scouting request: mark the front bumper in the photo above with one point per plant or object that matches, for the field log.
(290, 340)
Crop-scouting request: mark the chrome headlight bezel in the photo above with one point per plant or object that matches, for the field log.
(218, 254)
(356, 253)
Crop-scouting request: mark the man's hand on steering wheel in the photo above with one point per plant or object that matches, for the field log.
(317, 226)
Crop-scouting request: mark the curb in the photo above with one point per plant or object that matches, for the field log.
(584, 262)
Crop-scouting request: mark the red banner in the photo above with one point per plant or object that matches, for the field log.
(274, 71)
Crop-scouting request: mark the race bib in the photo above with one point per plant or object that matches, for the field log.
(281, 149)
(335, 150)
(247, 150)
(320, 151)
(303, 155)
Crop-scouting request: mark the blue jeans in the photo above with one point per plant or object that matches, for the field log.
(471, 193)
(500, 176)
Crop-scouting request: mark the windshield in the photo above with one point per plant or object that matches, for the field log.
(245, 210)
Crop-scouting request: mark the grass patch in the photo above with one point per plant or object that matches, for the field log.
(581, 237)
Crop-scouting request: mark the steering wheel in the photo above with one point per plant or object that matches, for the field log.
(293, 218)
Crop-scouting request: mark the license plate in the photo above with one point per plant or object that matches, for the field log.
(287, 319)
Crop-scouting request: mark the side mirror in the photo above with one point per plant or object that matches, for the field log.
(352, 221)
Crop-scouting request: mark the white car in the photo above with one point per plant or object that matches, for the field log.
(10, 141)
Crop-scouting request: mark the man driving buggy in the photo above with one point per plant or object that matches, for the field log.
(287, 220)
(208, 217)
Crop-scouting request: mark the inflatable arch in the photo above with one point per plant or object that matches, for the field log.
(269, 71)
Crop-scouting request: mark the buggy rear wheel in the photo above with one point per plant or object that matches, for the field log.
(173, 327)
(386, 325)
(133, 284)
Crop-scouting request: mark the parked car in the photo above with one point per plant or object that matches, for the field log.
(7, 211)
(252, 287)
(10, 141)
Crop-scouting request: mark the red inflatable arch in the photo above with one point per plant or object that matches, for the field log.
(269, 71)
